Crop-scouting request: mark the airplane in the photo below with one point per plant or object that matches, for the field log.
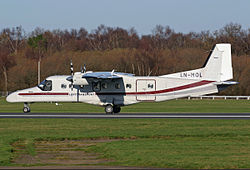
(115, 89)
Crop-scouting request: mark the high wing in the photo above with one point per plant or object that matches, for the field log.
(80, 78)
(105, 75)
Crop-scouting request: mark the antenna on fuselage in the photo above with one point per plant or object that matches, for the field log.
(150, 73)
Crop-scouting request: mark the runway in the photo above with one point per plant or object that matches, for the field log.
(130, 115)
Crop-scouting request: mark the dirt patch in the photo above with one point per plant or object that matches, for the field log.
(75, 167)
(66, 152)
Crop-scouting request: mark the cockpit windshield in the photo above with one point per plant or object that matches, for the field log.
(45, 85)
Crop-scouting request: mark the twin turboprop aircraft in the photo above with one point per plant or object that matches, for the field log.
(114, 89)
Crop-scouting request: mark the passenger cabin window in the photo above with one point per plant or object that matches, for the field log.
(128, 86)
(117, 85)
(63, 86)
(150, 86)
(45, 85)
(104, 85)
(96, 86)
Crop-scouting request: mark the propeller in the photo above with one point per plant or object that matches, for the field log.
(72, 74)
(76, 78)
(83, 70)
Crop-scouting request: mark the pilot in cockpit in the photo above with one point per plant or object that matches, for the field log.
(45, 85)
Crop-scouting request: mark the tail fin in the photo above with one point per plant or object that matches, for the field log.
(218, 66)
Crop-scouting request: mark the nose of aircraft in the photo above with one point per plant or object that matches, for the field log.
(11, 97)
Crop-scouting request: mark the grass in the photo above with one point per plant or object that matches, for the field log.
(179, 152)
(174, 106)
(167, 143)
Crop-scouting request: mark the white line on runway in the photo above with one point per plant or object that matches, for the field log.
(125, 116)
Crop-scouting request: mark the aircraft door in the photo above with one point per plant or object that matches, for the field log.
(145, 89)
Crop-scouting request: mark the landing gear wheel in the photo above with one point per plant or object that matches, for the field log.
(26, 109)
(117, 109)
(109, 109)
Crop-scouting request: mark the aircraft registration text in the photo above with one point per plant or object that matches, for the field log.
(191, 74)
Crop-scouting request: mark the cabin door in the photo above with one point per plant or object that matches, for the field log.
(145, 89)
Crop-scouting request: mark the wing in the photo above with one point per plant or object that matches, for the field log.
(105, 75)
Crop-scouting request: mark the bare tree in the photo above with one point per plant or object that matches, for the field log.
(12, 38)
(6, 62)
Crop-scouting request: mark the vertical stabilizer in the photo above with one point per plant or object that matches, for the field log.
(218, 66)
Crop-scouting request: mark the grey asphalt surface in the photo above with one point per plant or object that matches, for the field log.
(129, 115)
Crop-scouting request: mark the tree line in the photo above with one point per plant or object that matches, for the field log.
(105, 48)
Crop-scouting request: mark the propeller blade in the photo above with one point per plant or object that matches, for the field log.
(84, 68)
(72, 74)
(71, 68)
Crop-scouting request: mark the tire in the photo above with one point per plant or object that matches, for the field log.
(109, 109)
(26, 109)
(117, 109)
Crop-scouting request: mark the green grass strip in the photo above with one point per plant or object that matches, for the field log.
(168, 143)
(173, 106)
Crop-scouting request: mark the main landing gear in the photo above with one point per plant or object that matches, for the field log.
(26, 108)
(109, 109)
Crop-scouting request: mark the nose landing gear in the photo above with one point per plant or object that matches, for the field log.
(109, 109)
(26, 108)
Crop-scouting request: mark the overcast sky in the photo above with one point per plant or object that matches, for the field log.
(143, 15)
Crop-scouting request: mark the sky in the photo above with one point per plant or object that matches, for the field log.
(181, 15)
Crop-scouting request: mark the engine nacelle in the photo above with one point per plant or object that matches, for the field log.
(78, 80)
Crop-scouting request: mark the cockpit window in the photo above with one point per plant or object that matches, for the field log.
(45, 85)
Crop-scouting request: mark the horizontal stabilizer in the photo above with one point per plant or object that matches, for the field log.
(226, 83)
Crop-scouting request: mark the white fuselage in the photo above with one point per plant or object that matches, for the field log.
(125, 91)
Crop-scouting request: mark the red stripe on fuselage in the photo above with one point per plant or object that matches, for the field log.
(204, 82)
(200, 83)
(175, 88)
(37, 94)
